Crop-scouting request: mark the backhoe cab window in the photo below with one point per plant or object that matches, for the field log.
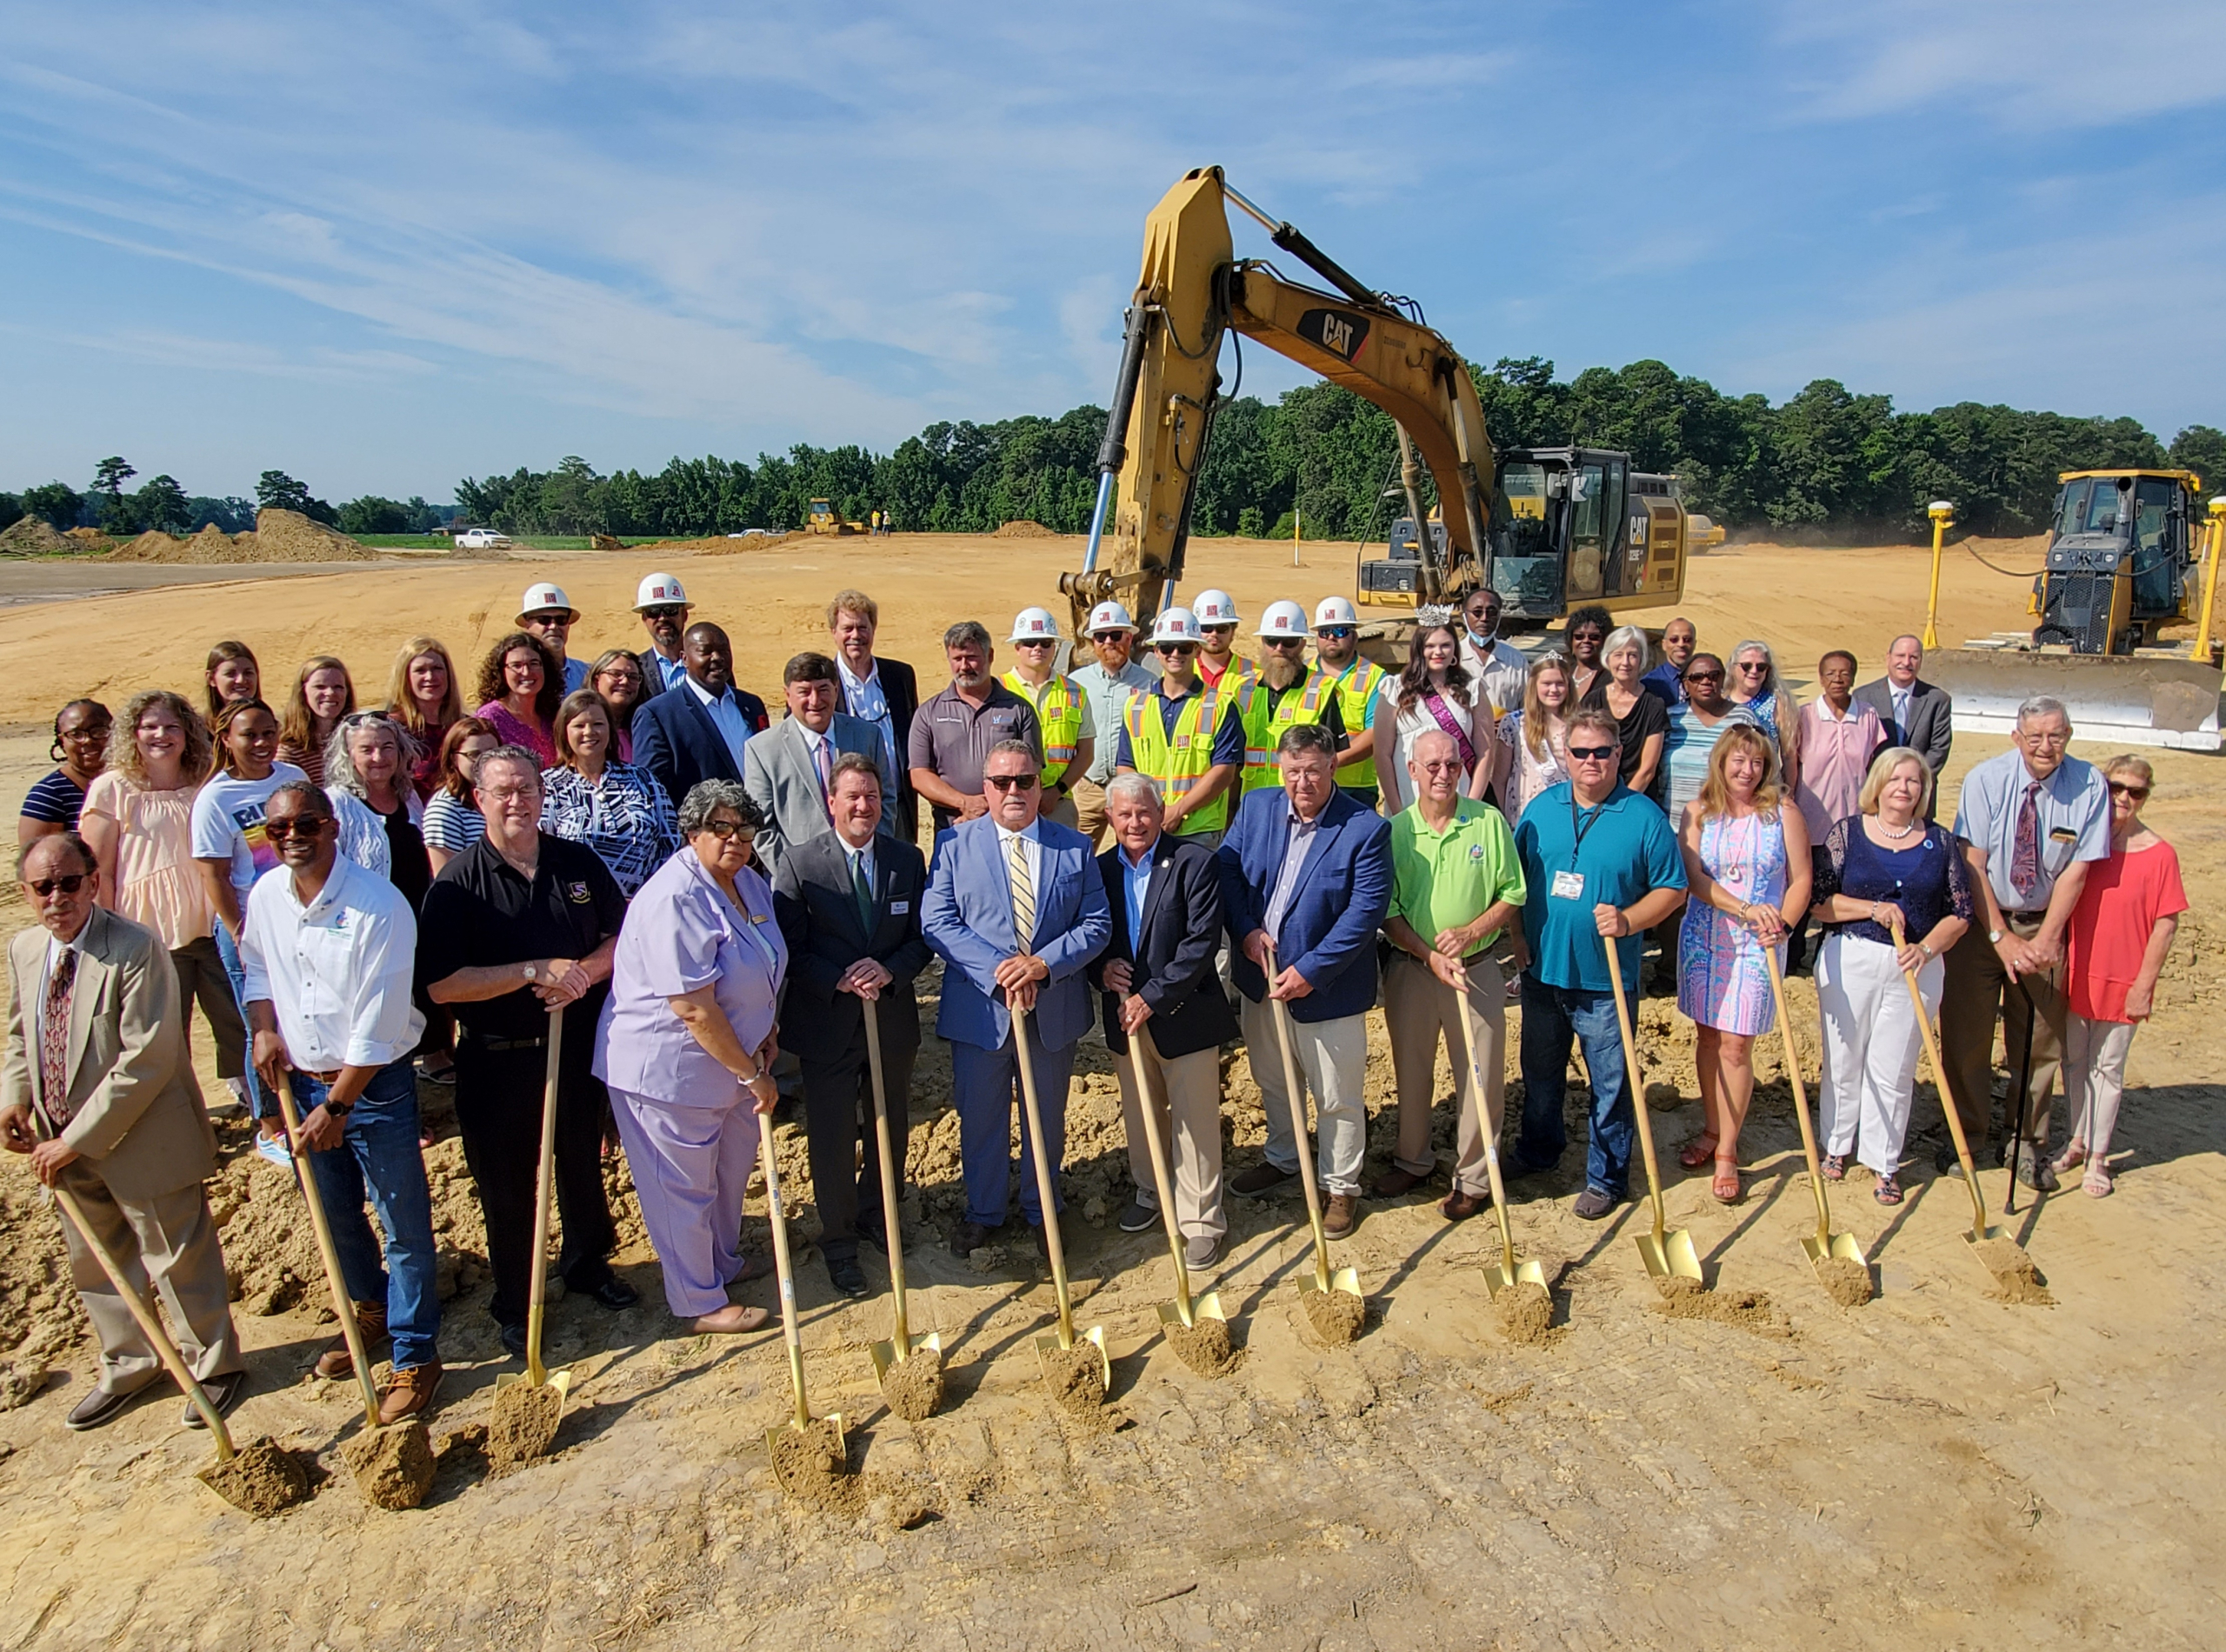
(2070, 506)
(2152, 507)
(2103, 508)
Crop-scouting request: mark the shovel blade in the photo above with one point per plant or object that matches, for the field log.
(561, 1381)
(1526, 1273)
(884, 1355)
(1842, 1245)
(1672, 1256)
(1975, 1240)
(1344, 1279)
(1205, 1305)
(774, 1436)
(1048, 1343)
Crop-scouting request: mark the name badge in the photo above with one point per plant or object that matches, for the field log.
(899, 909)
(2063, 835)
(1568, 886)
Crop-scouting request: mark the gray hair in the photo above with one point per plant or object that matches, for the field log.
(1755, 645)
(1306, 740)
(1012, 748)
(705, 795)
(2042, 705)
(1625, 637)
(522, 755)
(340, 762)
(1130, 783)
(1597, 720)
(69, 841)
(967, 633)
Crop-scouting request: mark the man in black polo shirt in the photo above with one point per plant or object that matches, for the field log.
(515, 926)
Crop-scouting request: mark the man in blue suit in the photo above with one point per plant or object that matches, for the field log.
(1307, 870)
(696, 730)
(1015, 908)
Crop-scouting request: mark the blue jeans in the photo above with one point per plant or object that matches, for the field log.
(261, 1104)
(1551, 1016)
(986, 1083)
(378, 1152)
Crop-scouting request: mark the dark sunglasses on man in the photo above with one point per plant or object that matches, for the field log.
(1011, 783)
(1336, 633)
(300, 826)
(667, 611)
(1591, 753)
(68, 884)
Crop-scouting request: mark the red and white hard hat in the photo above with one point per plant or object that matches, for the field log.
(1176, 625)
(1034, 625)
(659, 590)
(1284, 620)
(545, 598)
(1334, 610)
(1109, 616)
(1216, 608)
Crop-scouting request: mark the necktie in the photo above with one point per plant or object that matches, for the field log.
(2025, 852)
(862, 891)
(54, 1041)
(1024, 892)
(822, 757)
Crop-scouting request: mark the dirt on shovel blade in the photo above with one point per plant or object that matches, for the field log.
(1526, 1314)
(262, 1480)
(2016, 1279)
(393, 1466)
(1204, 1346)
(810, 1464)
(913, 1386)
(1077, 1378)
(523, 1424)
(1674, 1286)
(1847, 1280)
(1336, 1315)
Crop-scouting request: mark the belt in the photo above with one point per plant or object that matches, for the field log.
(497, 1046)
(332, 1077)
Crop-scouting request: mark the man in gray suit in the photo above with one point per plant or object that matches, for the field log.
(789, 772)
(98, 1089)
(1916, 714)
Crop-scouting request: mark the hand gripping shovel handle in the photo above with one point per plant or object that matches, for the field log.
(1800, 1098)
(1046, 1191)
(1947, 1097)
(544, 1190)
(1488, 1128)
(791, 1333)
(1296, 1097)
(1638, 1085)
(342, 1304)
(1142, 1056)
(901, 1344)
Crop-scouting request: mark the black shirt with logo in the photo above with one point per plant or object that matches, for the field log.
(480, 914)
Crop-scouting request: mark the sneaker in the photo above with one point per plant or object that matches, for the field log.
(273, 1148)
(2033, 1169)
(223, 1391)
(1592, 1205)
(1261, 1178)
(848, 1278)
(1340, 1215)
(410, 1392)
(1139, 1217)
(1203, 1252)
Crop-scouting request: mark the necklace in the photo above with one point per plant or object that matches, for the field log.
(1885, 830)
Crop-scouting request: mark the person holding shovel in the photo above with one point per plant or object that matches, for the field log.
(118, 1123)
(328, 950)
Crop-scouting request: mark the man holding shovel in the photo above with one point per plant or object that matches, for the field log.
(97, 1055)
(328, 950)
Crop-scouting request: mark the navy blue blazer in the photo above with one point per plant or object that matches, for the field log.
(1344, 892)
(968, 921)
(1173, 970)
(676, 741)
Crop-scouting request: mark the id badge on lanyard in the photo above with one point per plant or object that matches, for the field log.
(1570, 885)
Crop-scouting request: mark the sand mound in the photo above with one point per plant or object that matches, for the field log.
(1526, 1314)
(1336, 1315)
(525, 1418)
(1023, 530)
(913, 1386)
(289, 536)
(393, 1466)
(263, 1479)
(723, 546)
(1204, 1347)
(90, 539)
(35, 535)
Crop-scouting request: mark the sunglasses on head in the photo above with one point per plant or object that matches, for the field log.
(1011, 783)
(1592, 754)
(299, 826)
(2127, 788)
(69, 883)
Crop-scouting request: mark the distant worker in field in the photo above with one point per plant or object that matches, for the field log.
(1062, 710)
(1916, 714)
(1184, 735)
(885, 693)
(544, 611)
(1492, 662)
(698, 730)
(1337, 651)
(1111, 681)
(1285, 692)
(1217, 622)
(663, 605)
(1666, 682)
(955, 731)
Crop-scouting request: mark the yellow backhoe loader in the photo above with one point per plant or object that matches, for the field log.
(1567, 540)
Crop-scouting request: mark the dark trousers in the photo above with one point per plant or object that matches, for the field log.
(1552, 1017)
(498, 1111)
(838, 1114)
(1977, 994)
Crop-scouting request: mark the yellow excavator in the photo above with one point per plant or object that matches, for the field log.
(1568, 540)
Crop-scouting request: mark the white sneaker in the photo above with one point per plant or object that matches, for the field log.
(273, 1148)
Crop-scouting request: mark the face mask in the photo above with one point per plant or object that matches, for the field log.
(1483, 639)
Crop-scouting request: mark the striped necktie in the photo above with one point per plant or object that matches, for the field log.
(1024, 892)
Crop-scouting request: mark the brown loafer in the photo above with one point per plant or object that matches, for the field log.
(1340, 1215)
(410, 1392)
(1457, 1206)
(336, 1364)
(1396, 1183)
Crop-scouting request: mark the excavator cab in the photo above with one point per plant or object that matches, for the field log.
(2121, 555)
(1559, 533)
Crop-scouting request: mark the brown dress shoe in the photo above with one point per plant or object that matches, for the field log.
(410, 1392)
(1457, 1206)
(336, 1364)
(1340, 1215)
(1396, 1183)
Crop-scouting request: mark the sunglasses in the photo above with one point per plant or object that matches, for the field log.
(1336, 633)
(1219, 630)
(1703, 676)
(664, 613)
(2121, 789)
(1039, 642)
(1587, 635)
(1753, 668)
(301, 826)
(1174, 650)
(1011, 783)
(1105, 639)
(68, 884)
(723, 830)
(1592, 754)
(1282, 642)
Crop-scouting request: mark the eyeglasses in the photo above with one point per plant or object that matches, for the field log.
(1443, 766)
(2121, 788)
(510, 793)
(1336, 633)
(1592, 754)
(1176, 650)
(68, 884)
(1011, 783)
(1703, 676)
(664, 612)
(299, 826)
(724, 830)
(618, 673)
(97, 732)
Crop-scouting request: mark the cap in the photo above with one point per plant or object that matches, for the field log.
(1034, 625)
(1216, 608)
(1334, 610)
(539, 599)
(1109, 616)
(1284, 620)
(1176, 625)
(658, 590)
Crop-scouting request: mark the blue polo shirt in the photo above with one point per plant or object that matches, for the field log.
(1620, 850)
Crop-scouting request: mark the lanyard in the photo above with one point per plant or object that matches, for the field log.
(1580, 824)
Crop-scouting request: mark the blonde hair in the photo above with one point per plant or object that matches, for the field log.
(298, 727)
(194, 762)
(1716, 790)
(850, 602)
(401, 705)
(1881, 770)
(2125, 763)
(1535, 711)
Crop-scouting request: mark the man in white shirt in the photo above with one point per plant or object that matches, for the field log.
(328, 950)
(1109, 681)
(1496, 664)
(885, 693)
(662, 604)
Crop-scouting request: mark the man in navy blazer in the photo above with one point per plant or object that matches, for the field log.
(697, 728)
(1307, 870)
(1016, 909)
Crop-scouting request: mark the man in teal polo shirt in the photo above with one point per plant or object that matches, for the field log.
(1456, 885)
(1600, 864)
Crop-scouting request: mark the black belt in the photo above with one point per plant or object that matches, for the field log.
(497, 1046)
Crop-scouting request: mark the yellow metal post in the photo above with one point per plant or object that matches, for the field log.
(1294, 520)
(2210, 580)
(1942, 513)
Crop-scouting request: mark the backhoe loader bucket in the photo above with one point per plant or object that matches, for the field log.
(2145, 699)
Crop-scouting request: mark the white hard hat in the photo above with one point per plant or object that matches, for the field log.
(1109, 616)
(1034, 625)
(1282, 620)
(539, 599)
(1216, 608)
(1334, 610)
(659, 590)
(1176, 625)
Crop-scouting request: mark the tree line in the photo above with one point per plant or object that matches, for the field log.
(1317, 459)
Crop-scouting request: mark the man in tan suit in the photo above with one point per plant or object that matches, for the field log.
(98, 1089)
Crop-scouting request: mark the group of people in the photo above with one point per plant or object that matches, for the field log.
(1189, 847)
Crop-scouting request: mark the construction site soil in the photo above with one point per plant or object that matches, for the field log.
(1752, 1465)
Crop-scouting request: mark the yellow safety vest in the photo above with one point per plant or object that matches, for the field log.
(1302, 702)
(1178, 760)
(1058, 715)
(1356, 687)
(1242, 670)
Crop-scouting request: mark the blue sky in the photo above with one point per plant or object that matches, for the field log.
(381, 247)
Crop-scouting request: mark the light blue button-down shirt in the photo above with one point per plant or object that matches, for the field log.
(726, 718)
(1136, 877)
(2073, 809)
(660, 672)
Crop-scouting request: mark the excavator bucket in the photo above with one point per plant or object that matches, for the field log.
(2144, 699)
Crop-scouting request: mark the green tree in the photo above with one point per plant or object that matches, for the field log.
(109, 477)
(373, 515)
(61, 505)
(162, 504)
(2202, 449)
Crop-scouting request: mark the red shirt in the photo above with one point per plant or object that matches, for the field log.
(2118, 908)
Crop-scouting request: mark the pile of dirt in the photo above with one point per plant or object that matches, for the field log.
(1526, 1314)
(393, 1466)
(812, 1465)
(724, 547)
(1749, 1311)
(1077, 1378)
(523, 1424)
(1847, 1280)
(2016, 1279)
(34, 536)
(913, 1386)
(289, 537)
(1204, 1346)
(1336, 1315)
(1023, 530)
(263, 1479)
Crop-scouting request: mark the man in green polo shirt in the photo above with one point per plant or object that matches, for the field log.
(1456, 885)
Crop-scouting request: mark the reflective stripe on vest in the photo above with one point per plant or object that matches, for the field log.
(1178, 758)
(1263, 729)
(1058, 716)
(1357, 686)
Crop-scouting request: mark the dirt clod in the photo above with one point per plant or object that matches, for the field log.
(1204, 1346)
(1336, 1315)
(1526, 1314)
(2016, 1279)
(262, 1480)
(1675, 1286)
(810, 1465)
(1077, 1379)
(1848, 1280)
(20, 1381)
(1749, 1311)
(913, 1386)
(523, 1424)
(393, 1466)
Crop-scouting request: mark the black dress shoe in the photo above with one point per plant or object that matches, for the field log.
(969, 1237)
(100, 1407)
(848, 1278)
(615, 1292)
(514, 1341)
(223, 1391)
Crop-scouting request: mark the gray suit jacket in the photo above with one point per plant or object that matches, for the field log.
(136, 1112)
(1931, 730)
(778, 774)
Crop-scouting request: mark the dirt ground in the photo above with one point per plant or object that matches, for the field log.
(1935, 1468)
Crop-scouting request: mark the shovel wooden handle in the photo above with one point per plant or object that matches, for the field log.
(1946, 1096)
(342, 1304)
(1142, 1056)
(544, 1190)
(1046, 1191)
(791, 1333)
(1800, 1098)
(902, 1343)
(1638, 1086)
(1488, 1128)
(1296, 1097)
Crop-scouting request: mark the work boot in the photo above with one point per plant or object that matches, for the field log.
(1458, 1206)
(1340, 1216)
(410, 1392)
(336, 1363)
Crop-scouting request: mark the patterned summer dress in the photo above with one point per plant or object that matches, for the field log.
(1721, 980)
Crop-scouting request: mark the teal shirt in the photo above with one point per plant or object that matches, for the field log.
(1627, 850)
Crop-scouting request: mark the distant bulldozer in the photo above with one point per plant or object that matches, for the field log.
(824, 519)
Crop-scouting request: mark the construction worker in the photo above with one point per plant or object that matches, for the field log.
(1217, 622)
(664, 608)
(1063, 713)
(1111, 681)
(547, 613)
(1337, 651)
(1282, 693)
(1184, 734)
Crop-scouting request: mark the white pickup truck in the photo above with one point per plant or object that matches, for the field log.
(481, 539)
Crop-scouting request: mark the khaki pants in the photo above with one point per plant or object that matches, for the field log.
(1186, 1093)
(1332, 1057)
(1977, 991)
(170, 1240)
(1090, 813)
(1418, 1015)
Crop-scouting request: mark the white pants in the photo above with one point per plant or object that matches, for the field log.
(1871, 1040)
(2093, 1079)
(1332, 1058)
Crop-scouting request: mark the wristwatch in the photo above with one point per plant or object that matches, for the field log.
(1995, 937)
(533, 972)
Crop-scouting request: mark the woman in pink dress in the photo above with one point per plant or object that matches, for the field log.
(520, 688)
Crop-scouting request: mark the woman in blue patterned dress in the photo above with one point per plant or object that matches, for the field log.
(592, 798)
(1747, 862)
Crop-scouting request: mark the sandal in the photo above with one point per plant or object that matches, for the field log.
(1726, 1185)
(1836, 1167)
(1888, 1190)
(2098, 1183)
(2073, 1155)
(1698, 1152)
